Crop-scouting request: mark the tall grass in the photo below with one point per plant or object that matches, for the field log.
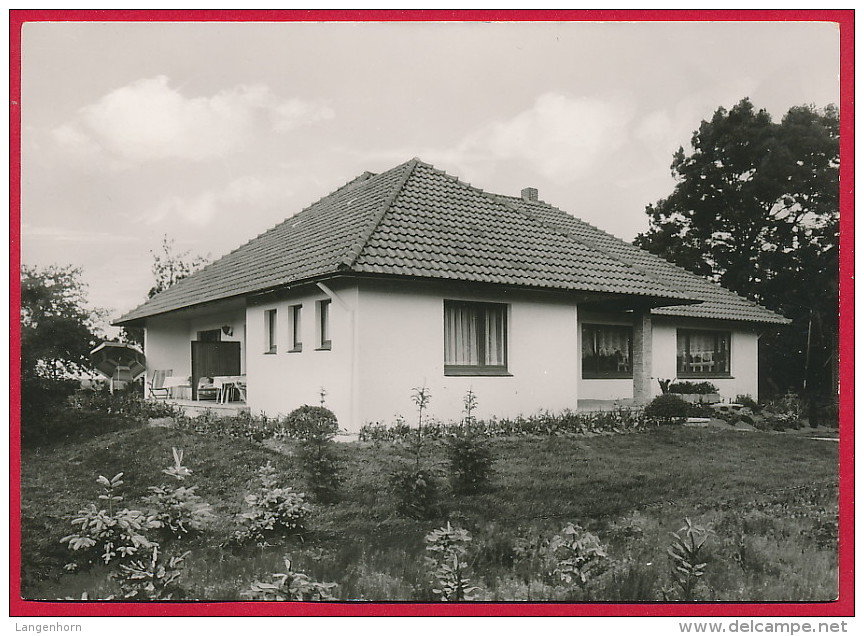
(771, 500)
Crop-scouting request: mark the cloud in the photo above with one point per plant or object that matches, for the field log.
(560, 137)
(241, 197)
(149, 120)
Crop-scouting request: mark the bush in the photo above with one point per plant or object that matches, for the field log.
(274, 511)
(108, 534)
(698, 388)
(178, 510)
(448, 565)
(579, 557)
(416, 492)
(470, 463)
(241, 426)
(311, 424)
(667, 409)
(316, 426)
(289, 586)
(41, 401)
(618, 420)
(749, 402)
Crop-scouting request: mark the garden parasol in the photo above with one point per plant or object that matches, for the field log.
(118, 361)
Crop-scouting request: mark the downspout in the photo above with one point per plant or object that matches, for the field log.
(353, 392)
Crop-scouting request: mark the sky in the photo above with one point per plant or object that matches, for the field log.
(213, 133)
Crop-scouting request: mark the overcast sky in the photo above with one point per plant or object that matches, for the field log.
(214, 133)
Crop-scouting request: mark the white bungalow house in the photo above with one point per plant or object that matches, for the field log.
(413, 278)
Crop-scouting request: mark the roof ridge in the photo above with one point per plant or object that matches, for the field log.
(665, 261)
(561, 230)
(356, 248)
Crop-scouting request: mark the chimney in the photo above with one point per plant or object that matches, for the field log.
(529, 194)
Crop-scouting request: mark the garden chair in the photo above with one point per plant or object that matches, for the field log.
(206, 389)
(158, 390)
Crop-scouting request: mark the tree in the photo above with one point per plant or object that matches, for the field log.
(756, 208)
(169, 266)
(57, 330)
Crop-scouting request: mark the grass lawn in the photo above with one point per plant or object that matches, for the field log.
(770, 498)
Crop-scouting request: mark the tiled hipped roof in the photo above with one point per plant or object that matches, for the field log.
(717, 301)
(414, 220)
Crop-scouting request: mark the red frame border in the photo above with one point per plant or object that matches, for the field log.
(844, 606)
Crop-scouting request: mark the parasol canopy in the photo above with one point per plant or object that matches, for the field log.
(118, 361)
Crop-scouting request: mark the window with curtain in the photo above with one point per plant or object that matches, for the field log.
(607, 351)
(703, 354)
(475, 338)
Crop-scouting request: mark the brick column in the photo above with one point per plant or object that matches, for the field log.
(642, 356)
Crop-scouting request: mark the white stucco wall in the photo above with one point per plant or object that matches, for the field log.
(166, 346)
(277, 383)
(402, 347)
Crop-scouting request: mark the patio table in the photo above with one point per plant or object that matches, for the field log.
(177, 386)
(225, 384)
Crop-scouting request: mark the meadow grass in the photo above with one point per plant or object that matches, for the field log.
(770, 498)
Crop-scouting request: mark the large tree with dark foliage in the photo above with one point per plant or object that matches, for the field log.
(57, 329)
(756, 208)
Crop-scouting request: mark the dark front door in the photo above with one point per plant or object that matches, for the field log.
(213, 358)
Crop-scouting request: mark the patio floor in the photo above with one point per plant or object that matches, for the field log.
(194, 408)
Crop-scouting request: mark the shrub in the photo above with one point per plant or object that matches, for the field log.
(617, 420)
(470, 462)
(127, 402)
(749, 402)
(153, 579)
(579, 556)
(241, 426)
(316, 426)
(788, 411)
(667, 409)
(416, 491)
(289, 586)
(42, 412)
(178, 511)
(39, 396)
(274, 511)
(447, 563)
(688, 565)
(698, 388)
(311, 424)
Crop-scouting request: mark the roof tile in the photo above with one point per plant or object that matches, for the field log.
(415, 220)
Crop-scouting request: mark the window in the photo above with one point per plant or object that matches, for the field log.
(211, 335)
(270, 330)
(296, 329)
(324, 324)
(475, 338)
(703, 353)
(607, 351)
